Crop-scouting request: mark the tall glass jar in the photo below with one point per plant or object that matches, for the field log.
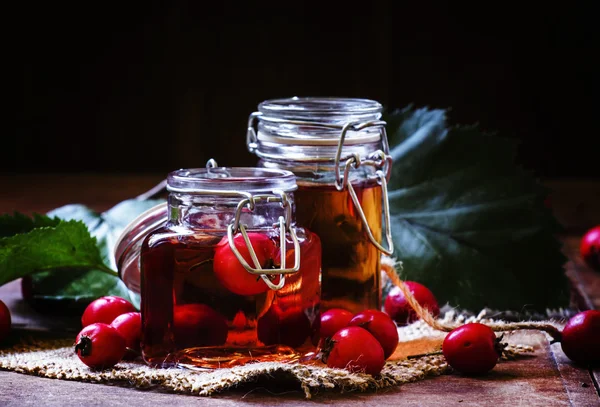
(230, 277)
(338, 150)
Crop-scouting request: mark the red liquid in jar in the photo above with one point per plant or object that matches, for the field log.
(190, 319)
(351, 263)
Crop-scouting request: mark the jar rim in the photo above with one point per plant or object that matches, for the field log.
(319, 107)
(214, 179)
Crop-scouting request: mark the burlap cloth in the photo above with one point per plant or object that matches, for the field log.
(56, 359)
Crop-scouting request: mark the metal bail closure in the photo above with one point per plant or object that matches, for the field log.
(378, 159)
(284, 224)
(386, 214)
(211, 163)
(251, 139)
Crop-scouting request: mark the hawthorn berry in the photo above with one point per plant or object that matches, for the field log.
(232, 274)
(5, 321)
(580, 338)
(589, 248)
(399, 309)
(356, 350)
(333, 320)
(198, 325)
(381, 326)
(472, 348)
(290, 327)
(100, 346)
(105, 309)
(129, 326)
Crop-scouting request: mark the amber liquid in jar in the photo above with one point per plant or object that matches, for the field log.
(191, 320)
(350, 262)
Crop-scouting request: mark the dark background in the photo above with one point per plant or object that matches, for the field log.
(152, 87)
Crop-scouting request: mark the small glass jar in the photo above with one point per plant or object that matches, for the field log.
(338, 149)
(229, 278)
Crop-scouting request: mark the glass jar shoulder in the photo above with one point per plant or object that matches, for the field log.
(178, 235)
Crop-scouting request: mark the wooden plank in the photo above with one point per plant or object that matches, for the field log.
(578, 382)
(585, 280)
(533, 382)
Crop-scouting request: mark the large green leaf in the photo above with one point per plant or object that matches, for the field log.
(65, 258)
(86, 285)
(41, 243)
(66, 246)
(467, 222)
(55, 292)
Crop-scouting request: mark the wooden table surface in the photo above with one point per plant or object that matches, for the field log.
(548, 379)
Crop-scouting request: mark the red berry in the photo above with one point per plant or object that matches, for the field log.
(590, 248)
(333, 320)
(290, 327)
(100, 346)
(198, 325)
(400, 311)
(355, 350)
(230, 271)
(129, 326)
(105, 310)
(5, 321)
(472, 348)
(581, 338)
(381, 326)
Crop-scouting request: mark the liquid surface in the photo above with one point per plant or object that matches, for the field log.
(351, 263)
(190, 319)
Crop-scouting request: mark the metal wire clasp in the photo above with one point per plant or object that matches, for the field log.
(284, 223)
(251, 139)
(379, 159)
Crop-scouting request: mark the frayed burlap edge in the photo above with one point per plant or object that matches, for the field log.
(56, 359)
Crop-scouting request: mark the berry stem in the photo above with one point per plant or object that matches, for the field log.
(388, 265)
(326, 350)
(421, 355)
(84, 345)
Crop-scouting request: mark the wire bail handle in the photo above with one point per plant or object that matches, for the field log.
(382, 161)
(251, 139)
(285, 224)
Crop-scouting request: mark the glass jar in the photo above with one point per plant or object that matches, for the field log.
(338, 150)
(229, 277)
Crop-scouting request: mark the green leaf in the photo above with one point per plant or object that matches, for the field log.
(467, 222)
(81, 286)
(67, 246)
(86, 285)
(106, 226)
(20, 223)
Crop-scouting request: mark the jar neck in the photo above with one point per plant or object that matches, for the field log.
(216, 212)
